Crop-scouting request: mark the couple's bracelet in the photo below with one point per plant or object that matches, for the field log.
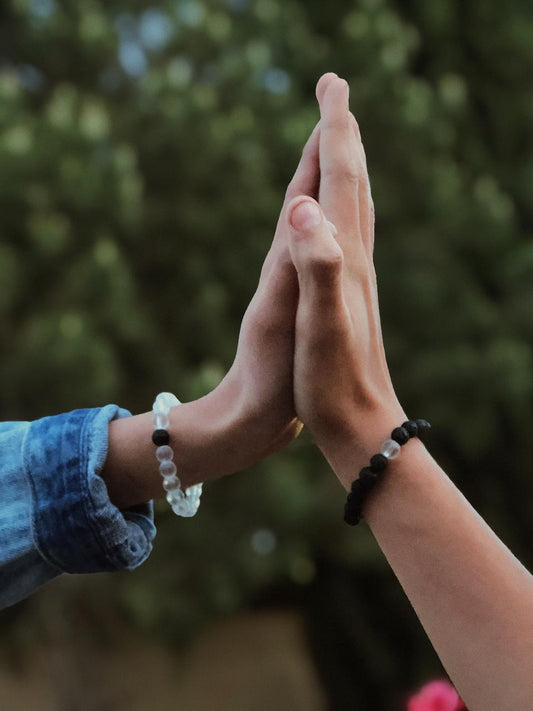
(369, 476)
(186, 503)
(183, 503)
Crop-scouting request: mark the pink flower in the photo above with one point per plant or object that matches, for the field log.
(436, 696)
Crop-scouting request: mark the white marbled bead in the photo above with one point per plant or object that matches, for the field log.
(184, 508)
(175, 496)
(390, 449)
(158, 407)
(164, 401)
(164, 453)
(184, 503)
(171, 483)
(161, 421)
(167, 468)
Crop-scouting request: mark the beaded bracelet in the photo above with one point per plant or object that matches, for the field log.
(183, 503)
(369, 476)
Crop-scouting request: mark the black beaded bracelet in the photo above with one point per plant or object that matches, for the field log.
(369, 476)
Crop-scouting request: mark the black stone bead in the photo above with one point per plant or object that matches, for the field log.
(423, 427)
(160, 437)
(356, 487)
(411, 427)
(400, 435)
(352, 516)
(378, 462)
(367, 478)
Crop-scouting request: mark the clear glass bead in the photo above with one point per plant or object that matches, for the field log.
(390, 449)
(160, 420)
(194, 491)
(175, 496)
(167, 468)
(164, 401)
(184, 509)
(164, 453)
(171, 483)
(195, 505)
(159, 406)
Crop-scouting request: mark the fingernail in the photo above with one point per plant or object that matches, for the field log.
(306, 215)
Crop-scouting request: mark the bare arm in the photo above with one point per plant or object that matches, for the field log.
(251, 413)
(473, 597)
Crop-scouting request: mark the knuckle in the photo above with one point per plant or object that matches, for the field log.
(346, 174)
(326, 268)
(340, 123)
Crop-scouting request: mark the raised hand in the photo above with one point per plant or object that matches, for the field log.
(251, 413)
(343, 391)
(473, 597)
(259, 387)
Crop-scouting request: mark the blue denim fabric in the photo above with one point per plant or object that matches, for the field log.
(55, 513)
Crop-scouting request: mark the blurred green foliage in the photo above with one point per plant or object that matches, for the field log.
(144, 151)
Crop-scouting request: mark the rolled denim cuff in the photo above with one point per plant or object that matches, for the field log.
(75, 525)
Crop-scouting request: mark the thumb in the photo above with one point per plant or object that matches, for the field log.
(316, 254)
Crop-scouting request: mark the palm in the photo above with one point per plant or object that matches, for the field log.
(261, 377)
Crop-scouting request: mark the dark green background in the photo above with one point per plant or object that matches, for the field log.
(138, 199)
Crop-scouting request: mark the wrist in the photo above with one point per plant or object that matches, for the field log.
(208, 436)
(199, 435)
(350, 448)
(215, 435)
(262, 417)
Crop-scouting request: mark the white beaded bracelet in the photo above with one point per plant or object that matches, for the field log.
(183, 503)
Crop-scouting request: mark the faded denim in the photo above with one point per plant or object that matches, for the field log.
(55, 513)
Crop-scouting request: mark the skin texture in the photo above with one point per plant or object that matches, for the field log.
(311, 344)
(473, 597)
(251, 414)
(339, 401)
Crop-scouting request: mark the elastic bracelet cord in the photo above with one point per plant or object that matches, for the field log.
(183, 503)
(369, 476)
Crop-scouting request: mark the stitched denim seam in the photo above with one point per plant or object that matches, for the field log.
(45, 554)
(88, 502)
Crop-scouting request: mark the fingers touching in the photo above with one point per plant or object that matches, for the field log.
(344, 185)
(306, 179)
(332, 169)
(316, 255)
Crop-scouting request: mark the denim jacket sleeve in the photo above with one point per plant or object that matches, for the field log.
(55, 513)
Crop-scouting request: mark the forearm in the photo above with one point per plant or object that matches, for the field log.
(473, 597)
(131, 470)
(211, 437)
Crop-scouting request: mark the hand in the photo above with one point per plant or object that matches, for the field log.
(256, 395)
(251, 413)
(343, 390)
